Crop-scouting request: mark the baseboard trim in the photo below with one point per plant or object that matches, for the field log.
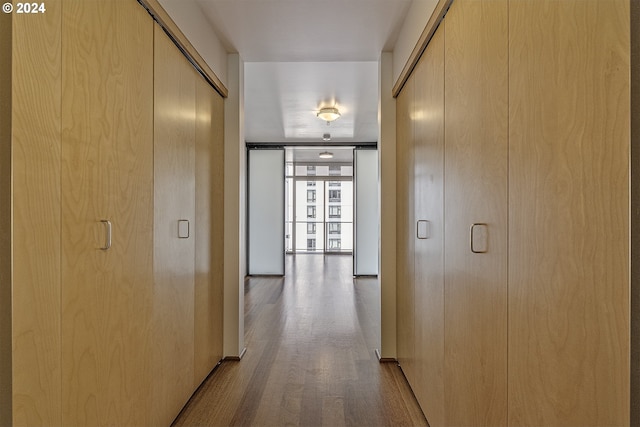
(385, 359)
(235, 358)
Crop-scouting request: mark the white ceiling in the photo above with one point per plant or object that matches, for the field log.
(283, 98)
(301, 55)
(312, 154)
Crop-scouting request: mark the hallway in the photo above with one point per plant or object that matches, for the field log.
(310, 357)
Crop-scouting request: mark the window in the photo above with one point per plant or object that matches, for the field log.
(311, 170)
(311, 244)
(335, 228)
(335, 211)
(334, 243)
(334, 183)
(311, 195)
(311, 228)
(311, 211)
(335, 195)
(335, 170)
(289, 169)
(311, 183)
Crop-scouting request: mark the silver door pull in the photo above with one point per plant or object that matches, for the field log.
(479, 238)
(423, 229)
(107, 240)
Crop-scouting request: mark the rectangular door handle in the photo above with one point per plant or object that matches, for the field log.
(423, 229)
(107, 238)
(479, 238)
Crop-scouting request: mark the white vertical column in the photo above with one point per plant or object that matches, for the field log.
(366, 219)
(235, 171)
(387, 168)
(266, 212)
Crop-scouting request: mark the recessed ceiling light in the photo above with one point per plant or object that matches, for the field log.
(326, 137)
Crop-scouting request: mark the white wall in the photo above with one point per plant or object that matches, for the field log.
(191, 20)
(387, 200)
(417, 18)
(266, 212)
(366, 222)
(235, 172)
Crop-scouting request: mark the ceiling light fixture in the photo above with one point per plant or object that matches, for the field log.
(326, 137)
(326, 155)
(328, 114)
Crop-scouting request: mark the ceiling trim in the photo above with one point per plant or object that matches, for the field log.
(429, 30)
(161, 16)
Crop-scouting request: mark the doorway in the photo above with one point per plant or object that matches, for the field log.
(312, 200)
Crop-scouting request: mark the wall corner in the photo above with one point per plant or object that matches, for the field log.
(387, 200)
(234, 209)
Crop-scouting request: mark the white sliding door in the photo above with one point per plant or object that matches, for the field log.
(365, 252)
(266, 212)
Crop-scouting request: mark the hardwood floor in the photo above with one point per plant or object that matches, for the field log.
(310, 358)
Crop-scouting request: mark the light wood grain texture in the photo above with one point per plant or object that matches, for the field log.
(476, 118)
(174, 187)
(156, 9)
(310, 358)
(6, 27)
(107, 174)
(429, 206)
(436, 18)
(569, 213)
(36, 147)
(635, 213)
(217, 224)
(405, 230)
(208, 231)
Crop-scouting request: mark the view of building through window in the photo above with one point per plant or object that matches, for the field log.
(319, 208)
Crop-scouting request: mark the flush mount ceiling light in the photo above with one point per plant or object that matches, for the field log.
(326, 155)
(328, 114)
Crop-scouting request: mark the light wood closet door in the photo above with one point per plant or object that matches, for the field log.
(174, 174)
(429, 240)
(107, 174)
(405, 230)
(209, 231)
(35, 168)
(569, 213)
(476, 118)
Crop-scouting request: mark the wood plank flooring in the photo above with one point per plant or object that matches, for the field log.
(310, 358)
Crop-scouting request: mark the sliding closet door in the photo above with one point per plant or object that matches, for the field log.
(476, 118)
(365, 250)
(174, 230)
(35, 152)
(266, 212)
(429, 229)
(107, 212)
(209, 230)
(405, 230)
(569, 213)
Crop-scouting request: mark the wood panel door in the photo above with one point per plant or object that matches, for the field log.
(174, 206)
(209, 230)
(476, 118)
(405, 231)
(107, 174)
(569, 213)
(34, 269)
(429, 229)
